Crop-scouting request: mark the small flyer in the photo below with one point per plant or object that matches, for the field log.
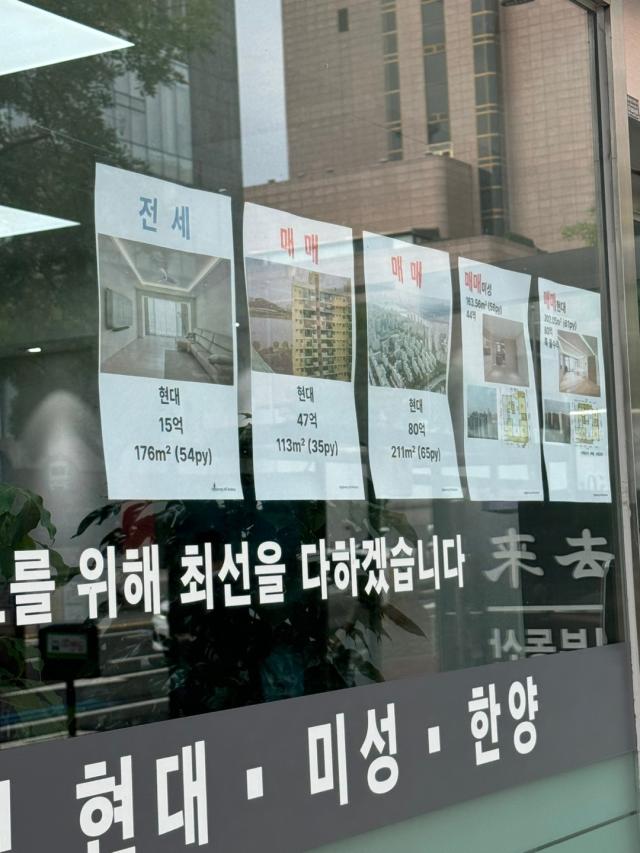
(412, 452)
(168, 361)
(574, 401)
(299, 276)
(502, 434)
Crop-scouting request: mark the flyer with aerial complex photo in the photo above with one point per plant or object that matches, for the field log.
(168, 361)
(574, 401)
(412, 451)
(299, 276)
(501, 430)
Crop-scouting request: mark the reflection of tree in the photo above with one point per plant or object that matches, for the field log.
(236, 656)
(53, 128)
(585, 232)
(25, 524)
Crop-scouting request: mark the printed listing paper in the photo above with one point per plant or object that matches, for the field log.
(501, 433)
(574, 407)
(168, 360)
(412, 451)
(299, 275)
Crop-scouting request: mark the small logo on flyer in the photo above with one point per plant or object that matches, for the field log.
(216, 488)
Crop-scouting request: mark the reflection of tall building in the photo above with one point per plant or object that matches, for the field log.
(321, 330)
(156, 129)
(188, 130)
(430, 119)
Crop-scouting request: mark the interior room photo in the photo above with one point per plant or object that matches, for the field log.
(165, 314)
(578, 356)
(504, 352)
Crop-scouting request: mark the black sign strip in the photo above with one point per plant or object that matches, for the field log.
(584, 715)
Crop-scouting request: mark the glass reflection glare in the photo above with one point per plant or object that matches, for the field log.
(30, 38)
(14, 222)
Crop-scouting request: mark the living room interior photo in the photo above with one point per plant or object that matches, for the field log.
(578, 364)
(165, 314)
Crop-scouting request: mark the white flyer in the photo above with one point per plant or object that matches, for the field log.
(299, 275)
(412, 452)
(574, 401)
(168, 358)
(502, 434)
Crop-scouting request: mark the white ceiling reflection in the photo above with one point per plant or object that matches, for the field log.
(31, 37)
(14, 222)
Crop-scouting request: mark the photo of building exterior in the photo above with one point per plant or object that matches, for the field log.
(165, 314)
(578, 364)
(408, 344)
(300, 321)
(557, 421)
(482, 412)
(325, 312)
(504, 351)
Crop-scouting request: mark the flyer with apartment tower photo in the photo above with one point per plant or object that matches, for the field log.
(502, 435)
(412, 451)
(574, 403)
(168, 364)
(299, 275)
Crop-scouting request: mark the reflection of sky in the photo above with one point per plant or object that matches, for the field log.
(262, 104)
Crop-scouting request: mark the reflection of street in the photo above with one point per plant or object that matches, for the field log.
(132, 689)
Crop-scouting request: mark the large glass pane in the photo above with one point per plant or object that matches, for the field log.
(274, 106)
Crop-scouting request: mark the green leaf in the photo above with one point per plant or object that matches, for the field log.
(402, 621)
(97, 517)
(367, 669)
(63, 571)
(22, 512)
